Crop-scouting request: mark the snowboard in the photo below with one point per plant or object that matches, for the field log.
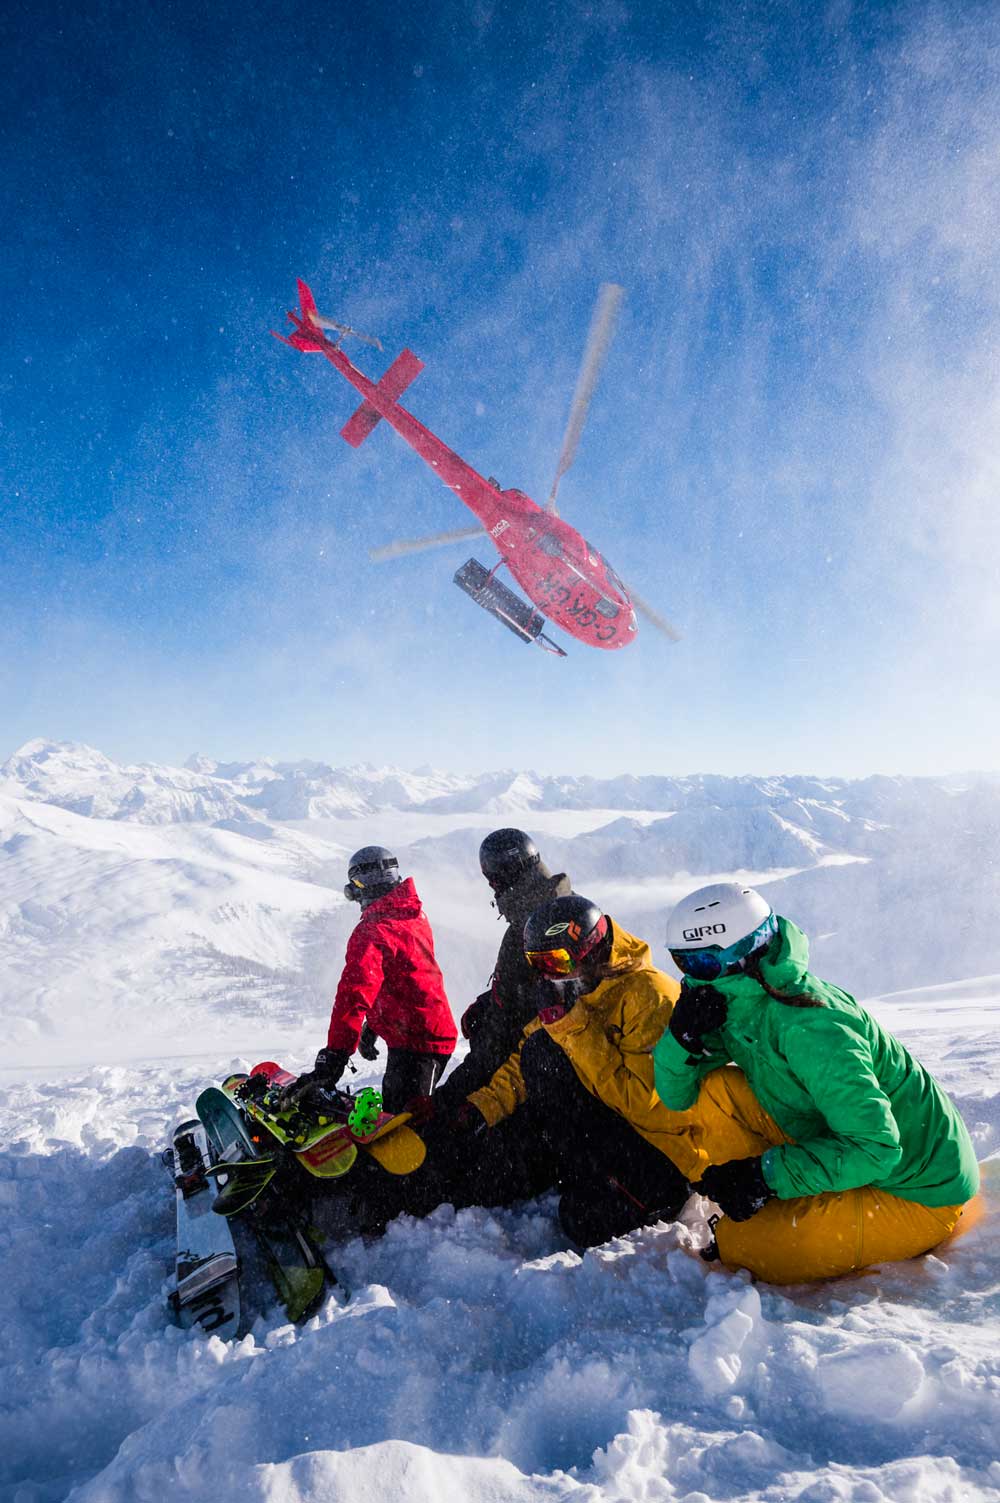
(322, 1145)
(224, 1123)
(294, 1264)
(206, 1292)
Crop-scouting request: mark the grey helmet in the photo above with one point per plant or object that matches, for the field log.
(371, 873)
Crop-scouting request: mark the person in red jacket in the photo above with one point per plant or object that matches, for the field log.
(391, 987)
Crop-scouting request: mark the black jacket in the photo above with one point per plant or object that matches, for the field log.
(497, 1017)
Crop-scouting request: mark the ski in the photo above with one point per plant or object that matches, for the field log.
(206, 1289)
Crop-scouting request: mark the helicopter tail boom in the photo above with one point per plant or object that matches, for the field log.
(403, 370)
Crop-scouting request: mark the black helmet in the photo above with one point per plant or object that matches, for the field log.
(560, 935)
(505, 855)
(371, 872)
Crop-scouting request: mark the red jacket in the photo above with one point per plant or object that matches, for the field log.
(391, 976)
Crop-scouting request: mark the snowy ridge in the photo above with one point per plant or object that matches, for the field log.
(112, 932)
(87, 782)
(84, 780)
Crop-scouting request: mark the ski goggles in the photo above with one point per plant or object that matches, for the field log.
(712, 961)
(552, 962)
(563, 962)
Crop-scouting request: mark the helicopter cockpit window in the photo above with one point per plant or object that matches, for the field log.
(612, 576)
(551, 545)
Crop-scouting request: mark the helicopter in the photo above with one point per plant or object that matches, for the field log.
(567, 580)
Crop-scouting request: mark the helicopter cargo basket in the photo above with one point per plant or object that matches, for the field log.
(516, 614)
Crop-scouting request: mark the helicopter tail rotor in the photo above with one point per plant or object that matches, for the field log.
(342, 329)
(308, 320)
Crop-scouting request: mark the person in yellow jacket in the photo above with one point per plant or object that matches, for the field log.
(582, 1075)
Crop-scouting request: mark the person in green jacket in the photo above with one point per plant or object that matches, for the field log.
(825, 1144)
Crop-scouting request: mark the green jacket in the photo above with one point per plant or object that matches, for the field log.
(859, 1109)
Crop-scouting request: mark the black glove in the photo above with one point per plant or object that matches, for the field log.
(697, 1011)
(739, 1188)
(470, 1122)
(422, 1110)
(329, 1067)
(367, 1043)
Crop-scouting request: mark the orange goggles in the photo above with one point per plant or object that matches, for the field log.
(551, 962)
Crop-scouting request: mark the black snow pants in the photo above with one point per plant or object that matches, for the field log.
(409, 1073)
(611, 1180)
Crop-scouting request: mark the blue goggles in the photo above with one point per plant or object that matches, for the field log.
(713, 961)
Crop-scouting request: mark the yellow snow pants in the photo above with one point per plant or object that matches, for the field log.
(815, 1236)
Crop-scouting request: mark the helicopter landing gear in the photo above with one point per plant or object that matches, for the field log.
(517, 615)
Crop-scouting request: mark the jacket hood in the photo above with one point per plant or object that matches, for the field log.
(628, 953)
(786, 960)
(535, 887)
(782, 968)
(401, 902)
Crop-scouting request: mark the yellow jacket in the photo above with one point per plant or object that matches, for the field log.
(608, 1036)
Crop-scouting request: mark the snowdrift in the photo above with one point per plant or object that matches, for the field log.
(478, 1357)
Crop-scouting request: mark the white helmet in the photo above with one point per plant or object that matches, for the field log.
(714, 931)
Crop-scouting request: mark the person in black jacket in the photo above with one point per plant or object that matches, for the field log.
(493, 1024)
(516, 1163)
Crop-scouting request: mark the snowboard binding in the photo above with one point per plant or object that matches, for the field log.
(318, 1106)
(364, 1115)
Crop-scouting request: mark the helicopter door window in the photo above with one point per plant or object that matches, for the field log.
(605, 608)
(551, 545)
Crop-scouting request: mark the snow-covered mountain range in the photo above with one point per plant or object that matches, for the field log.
(141, 903)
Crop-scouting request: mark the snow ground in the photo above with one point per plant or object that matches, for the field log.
(478, 1358)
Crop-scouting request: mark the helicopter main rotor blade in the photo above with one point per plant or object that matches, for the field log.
(653, 617)
(602, 328)
(417, 545)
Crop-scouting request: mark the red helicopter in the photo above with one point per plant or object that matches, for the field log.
(565, 577)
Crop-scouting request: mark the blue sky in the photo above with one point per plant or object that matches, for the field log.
(793, 450)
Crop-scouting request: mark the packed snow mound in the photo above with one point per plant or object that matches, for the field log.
(479, 1357)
